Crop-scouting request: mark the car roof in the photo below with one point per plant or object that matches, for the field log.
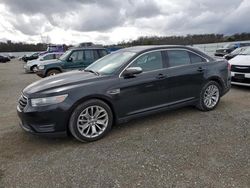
(54, 53)
(87, 48)
(153, 47)
(145, 48)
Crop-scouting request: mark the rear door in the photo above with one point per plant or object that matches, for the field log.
(102, 53)
(89, 56)
(185, 74)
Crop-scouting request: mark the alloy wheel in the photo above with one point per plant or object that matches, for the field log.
(92, 121)
(211, 96)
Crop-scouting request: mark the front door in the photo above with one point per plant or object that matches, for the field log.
(74, 61)
(144, 91)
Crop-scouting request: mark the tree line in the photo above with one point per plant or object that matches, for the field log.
(185, 40)
(144, 40)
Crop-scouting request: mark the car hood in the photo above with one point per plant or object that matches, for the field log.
(31, 62)
(47, 62)
(60, 83)
(240, 60)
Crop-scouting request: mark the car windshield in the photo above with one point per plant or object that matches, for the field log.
(245, 52)
(109, 64)
(65, 55)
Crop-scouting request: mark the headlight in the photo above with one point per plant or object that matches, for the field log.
(48, 100)
(41, 67)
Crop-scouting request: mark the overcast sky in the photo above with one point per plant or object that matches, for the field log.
(112, 21)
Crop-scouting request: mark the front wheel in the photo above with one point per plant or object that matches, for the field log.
(91, 120)
(209, 96)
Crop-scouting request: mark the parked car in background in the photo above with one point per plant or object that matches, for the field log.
(54, 48)
(228, 48)
(30, 57)
(4, 59)
(240, 68)
(31, 66)
(126, 84)
(78, 58)
(234, 53)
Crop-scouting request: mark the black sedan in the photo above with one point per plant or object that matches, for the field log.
(4, 59)
(31, 57)
(123, 85)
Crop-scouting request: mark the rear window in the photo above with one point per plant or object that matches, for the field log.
(196, 58)
(102, 53)
(183, 57)
(178, 58)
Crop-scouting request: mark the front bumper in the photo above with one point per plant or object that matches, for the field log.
(48, 121)
(244, 80)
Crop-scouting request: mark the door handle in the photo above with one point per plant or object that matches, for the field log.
(160, 76)
(200, 69)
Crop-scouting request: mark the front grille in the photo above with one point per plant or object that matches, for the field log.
(240, 68)
(22, 102)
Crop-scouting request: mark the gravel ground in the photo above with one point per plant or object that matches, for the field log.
(181, 148)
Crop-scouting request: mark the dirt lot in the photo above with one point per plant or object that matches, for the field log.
(181, 148)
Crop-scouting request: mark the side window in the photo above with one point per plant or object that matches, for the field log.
(74, 55)
(48, 57)
(102, 53)
(80, 55)
(178, 57)
(77, 56)
(89, 55)
(57, 56)
(195, 58)
(149, 61)
(96, 55)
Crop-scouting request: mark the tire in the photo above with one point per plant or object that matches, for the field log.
(82, 126)
(53, 72)
(204, 103)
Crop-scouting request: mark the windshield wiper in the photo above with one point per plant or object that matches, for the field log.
(88, 70)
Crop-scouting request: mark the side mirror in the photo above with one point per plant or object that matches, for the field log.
(70, 59)
(132, 71)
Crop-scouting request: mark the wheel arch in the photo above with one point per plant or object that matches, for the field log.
(86, 98)
(53, 68)
(33, 66)
(218, 80)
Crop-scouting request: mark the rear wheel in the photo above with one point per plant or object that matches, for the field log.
(52, 72)
(209, 96)
(91, 120)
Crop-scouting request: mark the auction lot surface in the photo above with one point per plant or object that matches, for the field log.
(181, 148)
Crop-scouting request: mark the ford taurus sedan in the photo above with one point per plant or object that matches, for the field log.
(123, 85)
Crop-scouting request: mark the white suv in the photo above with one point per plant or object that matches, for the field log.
(31, 66)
